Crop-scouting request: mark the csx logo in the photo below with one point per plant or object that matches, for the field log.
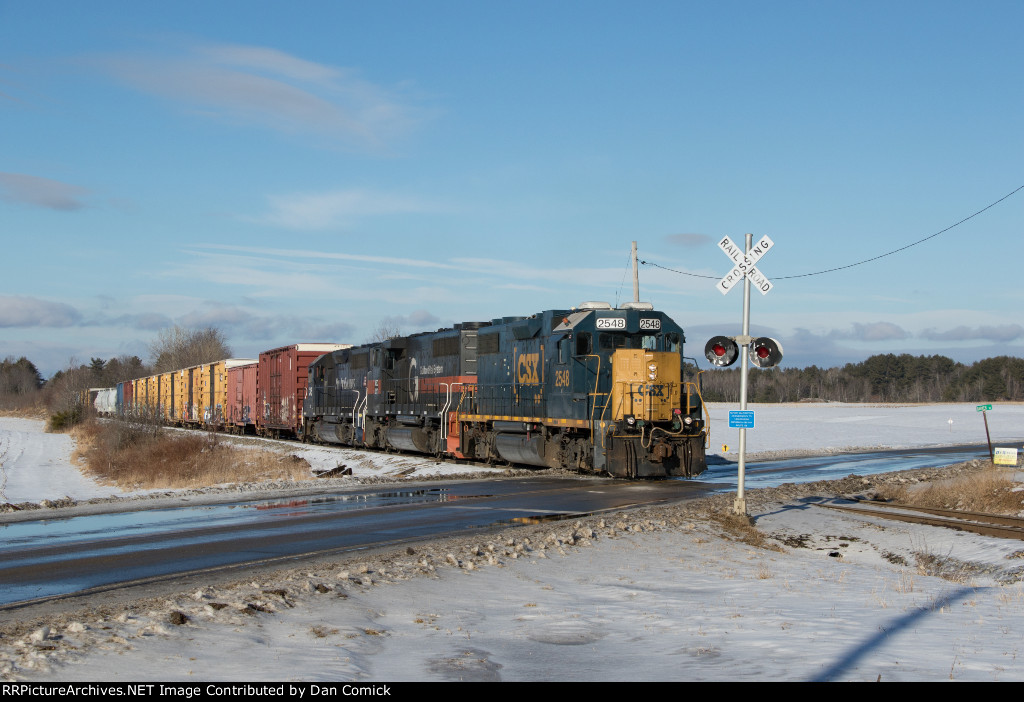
(650, 391)
(526, 369)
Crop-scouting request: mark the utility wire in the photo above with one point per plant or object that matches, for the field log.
(858, 263)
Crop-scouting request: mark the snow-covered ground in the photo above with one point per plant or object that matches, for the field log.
(659, 594)
(38, 466)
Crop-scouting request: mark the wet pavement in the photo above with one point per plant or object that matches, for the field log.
(59, 556)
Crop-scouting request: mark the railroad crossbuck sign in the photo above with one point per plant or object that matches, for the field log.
(743, 265)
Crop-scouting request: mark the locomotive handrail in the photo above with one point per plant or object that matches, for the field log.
(595, 394)
(444, 410)
(704, 411)
(468, 391)
(355, 406)
(361, 413)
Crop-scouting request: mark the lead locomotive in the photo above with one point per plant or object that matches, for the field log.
(592, 389)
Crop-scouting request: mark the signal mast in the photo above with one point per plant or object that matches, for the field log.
(763, 352)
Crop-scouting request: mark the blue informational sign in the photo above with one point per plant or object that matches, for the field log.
(741, 419)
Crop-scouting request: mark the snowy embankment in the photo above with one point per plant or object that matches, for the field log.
(670, 593)
(833, 426)
(38, 466)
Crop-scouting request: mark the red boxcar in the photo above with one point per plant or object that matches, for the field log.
(281, 381)
(242, 400)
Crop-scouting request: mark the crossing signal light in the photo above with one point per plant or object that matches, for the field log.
(721, 351)
(765, 352)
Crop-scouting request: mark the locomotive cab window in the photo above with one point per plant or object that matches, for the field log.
(671, 342)
(647, 342)
(610, 342)
(584, 346)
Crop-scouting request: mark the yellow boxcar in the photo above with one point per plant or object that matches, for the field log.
(152, 396)
(183, 395)
(210, 390)
(167, 396)
(202, 392)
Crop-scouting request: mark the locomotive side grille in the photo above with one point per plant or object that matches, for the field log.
(488, 344)
(446, 346)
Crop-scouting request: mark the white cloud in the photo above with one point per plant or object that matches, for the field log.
(417, 320)
(41, 192)
(282, 254)
(877, 331)
(239, 323)
(998, 333)
(33, 312)
(337, 208)
(272, 89)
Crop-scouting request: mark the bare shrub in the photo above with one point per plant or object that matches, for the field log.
(988, 491)
(143, 455)
(741, 529)
(180, 347)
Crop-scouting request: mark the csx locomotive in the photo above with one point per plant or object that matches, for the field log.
(591, 389)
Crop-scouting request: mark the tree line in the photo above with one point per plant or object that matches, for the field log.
(880, 378)
(22, 386)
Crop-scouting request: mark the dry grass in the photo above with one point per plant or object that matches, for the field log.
(989, 491)
(741, 529)
(31, 412)
(139, 455)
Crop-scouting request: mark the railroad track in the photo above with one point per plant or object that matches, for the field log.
(997, 525)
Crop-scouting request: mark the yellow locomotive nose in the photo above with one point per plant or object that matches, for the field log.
(645, 385)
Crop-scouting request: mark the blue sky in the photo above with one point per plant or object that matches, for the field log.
(303, 171)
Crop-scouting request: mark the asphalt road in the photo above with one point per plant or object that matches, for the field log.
(103, 552)
(56, 557)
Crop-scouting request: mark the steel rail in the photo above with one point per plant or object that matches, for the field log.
(984, 517)
(966, 523)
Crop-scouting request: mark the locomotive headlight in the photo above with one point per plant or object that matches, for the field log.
(630, 419)
(653, 368)
(652, 376)
(688, 421)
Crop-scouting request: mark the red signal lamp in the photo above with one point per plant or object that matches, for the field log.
(721, 351)
(765, 352)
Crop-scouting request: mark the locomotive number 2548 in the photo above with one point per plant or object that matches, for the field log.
(611, 323)
(650, 324)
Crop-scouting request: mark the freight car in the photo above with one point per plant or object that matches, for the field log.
(241, 399)
(593, 389)
(195, 396)
(281, 379)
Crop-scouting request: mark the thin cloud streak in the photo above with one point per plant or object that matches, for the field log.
(998, 333)
(271, 89)
(332, 209)
(41, 192)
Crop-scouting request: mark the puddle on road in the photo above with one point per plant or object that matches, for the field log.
(801, 470)
(72, 530)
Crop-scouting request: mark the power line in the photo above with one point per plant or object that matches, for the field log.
(867, 260)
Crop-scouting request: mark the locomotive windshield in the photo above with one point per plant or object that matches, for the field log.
(648, 342)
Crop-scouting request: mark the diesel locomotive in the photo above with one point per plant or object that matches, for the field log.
(591, 389)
